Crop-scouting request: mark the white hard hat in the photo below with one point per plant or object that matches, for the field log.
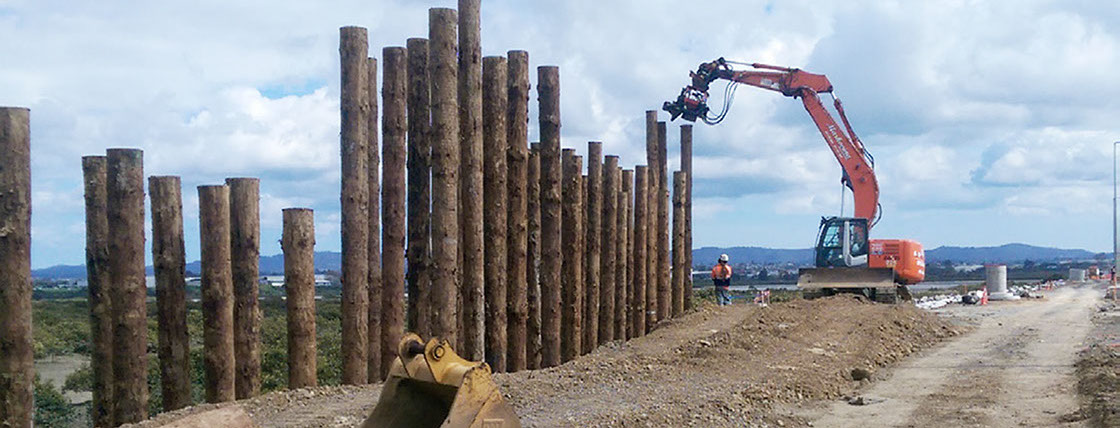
(723, 258)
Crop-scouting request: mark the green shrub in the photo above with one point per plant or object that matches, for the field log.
(51, 408)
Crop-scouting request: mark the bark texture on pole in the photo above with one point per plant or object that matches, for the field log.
(17, 370)
(594, 254)
(643, 295)
(470, 179)
(97, 278)
(548, 89)
(609, 257)
(419, 189)
(680, 178)
(445, 171)
(517, 154)
(622, 264)
(128, 291)
(394, 94)
(686, 166)
(664, 284)
(373, 253)
(533, 259)
(652, 191)
(353, 51)
(217, 293)
(169, 264)
(494, 75)
(571, 318)
(298, 244)
(245, 253)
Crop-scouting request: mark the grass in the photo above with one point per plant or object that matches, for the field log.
(61, 327)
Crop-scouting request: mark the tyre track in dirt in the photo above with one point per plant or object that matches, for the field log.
(1015, 369)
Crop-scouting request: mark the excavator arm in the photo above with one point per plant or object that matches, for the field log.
(857, 163)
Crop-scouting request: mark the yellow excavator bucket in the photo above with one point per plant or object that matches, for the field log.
(432, 386)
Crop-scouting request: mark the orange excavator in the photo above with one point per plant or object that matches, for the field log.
(846, 259)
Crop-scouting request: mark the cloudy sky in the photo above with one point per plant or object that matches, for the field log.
(991, 122)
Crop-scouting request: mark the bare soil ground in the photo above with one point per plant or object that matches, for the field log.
(1098, 370)
(717, 366)
(1015, 369)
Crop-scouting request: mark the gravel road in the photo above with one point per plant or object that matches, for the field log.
(1015, 369)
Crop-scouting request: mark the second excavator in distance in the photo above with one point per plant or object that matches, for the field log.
(847, 260)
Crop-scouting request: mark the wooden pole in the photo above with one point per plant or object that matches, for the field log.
(419, 189)
(353, 51)
(680, 178)
(394, 94)
(128, 291)
(622, 276)
(298, 244)
(471, 218)
(594, 252)
(494, 75)
(609, 256)
(373, 215)
(548, 89)
(641, 316)
(245, 253)
(217, 293)
(17, 367)
(517, 134)
(686, 166)
(445, 171)
(571, 281)
(664, 285)
(169, 264)
(533, 259)
(652, 313)
(97, 278)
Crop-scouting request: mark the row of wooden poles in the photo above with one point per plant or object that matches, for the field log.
(513, 254)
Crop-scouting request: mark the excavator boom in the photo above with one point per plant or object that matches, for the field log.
(857, 163)
(846, 258)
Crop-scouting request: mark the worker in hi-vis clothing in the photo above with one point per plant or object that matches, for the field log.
(721, 276)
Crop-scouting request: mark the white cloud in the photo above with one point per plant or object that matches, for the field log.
(968, 105)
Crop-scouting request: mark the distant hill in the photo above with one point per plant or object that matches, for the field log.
(1008, 253)
(274, 264)
(60, 271)
(754, 255)
(269, 265)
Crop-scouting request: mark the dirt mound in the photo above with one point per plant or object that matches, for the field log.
(815, 349)
(725, 367)
(716, 366)
(1098, 371)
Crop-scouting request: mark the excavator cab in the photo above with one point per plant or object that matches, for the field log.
(842, 242)
(842, 265)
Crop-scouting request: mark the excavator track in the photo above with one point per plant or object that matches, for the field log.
(886, 295)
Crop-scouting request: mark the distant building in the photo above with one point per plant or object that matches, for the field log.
(278, 280)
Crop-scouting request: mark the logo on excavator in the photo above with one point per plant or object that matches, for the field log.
(770, 83)
(834, 141)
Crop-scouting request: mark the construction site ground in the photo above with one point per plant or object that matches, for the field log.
(793, 363)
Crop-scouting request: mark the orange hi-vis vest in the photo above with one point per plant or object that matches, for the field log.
(721, 273)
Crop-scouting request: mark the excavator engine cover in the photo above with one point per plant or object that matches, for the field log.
(432, 386)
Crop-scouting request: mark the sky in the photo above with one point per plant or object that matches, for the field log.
(990, 121)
